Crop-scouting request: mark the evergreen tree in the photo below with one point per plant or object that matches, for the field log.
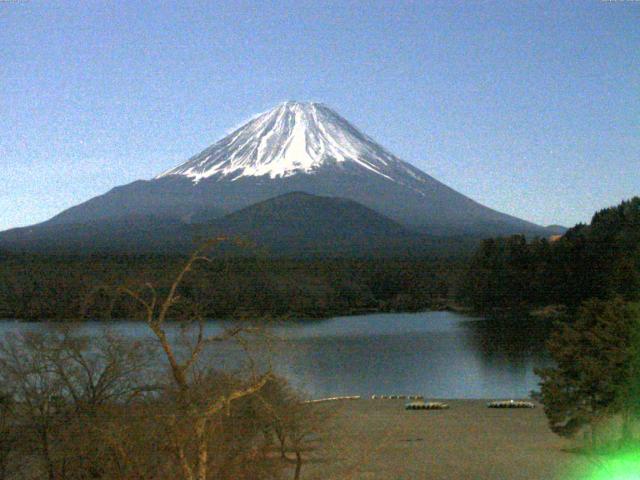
(592, 378)
(599, 260)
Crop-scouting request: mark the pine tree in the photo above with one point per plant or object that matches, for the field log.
(592, 378)
(628, 396)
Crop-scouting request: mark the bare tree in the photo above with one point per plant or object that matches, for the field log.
(194, 411)
(294, 422)
(101, 406)
(64, 383)
(24, 366)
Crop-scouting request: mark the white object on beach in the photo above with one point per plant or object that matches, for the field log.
(331, 399)
(421, 405)
(510, 404)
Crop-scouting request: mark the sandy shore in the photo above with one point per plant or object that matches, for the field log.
(379, 439)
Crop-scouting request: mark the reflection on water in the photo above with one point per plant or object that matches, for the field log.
(437, 354)
(509, 339)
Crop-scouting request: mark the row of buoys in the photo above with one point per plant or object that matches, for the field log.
(420, 404)
(397, 397)
(510, 404)
(331, 399)
(426, 406)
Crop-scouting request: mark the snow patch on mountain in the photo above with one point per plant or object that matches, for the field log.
(290, 139)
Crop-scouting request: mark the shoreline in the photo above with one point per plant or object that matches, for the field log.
(549, 312)
(281, 319)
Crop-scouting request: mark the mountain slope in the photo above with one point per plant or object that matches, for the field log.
(300, 147)
(300, 223)
(295, 224)
(131, 234)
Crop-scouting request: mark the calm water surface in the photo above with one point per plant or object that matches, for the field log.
(437, 354)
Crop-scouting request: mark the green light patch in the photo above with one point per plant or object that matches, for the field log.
(624, 466)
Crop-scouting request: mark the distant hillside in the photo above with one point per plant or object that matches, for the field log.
(301, 223)
(555, 230)
(295, 224)
(132, 234)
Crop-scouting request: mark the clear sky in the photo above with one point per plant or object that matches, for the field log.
(532, 108)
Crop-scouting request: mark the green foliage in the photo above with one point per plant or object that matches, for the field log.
(600, 260)
(595, 367)
(62, 287)
(499, 274)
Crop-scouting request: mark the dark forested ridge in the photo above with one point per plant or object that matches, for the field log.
(599, 260)
(57, 287)
(295, 225)
(301, 256)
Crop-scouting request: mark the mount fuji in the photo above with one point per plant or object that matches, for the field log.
(295, 147)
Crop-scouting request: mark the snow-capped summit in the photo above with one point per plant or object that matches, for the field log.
(292, 138)
(297, 147)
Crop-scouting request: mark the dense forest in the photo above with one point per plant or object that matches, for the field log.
(599, 260)
(62, 287)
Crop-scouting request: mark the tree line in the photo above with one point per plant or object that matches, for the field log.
(600, 260)
(592, 273)
(38, 287)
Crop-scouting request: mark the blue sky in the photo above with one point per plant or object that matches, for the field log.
(532, 108)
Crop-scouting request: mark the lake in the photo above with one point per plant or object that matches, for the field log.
(436, 354)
